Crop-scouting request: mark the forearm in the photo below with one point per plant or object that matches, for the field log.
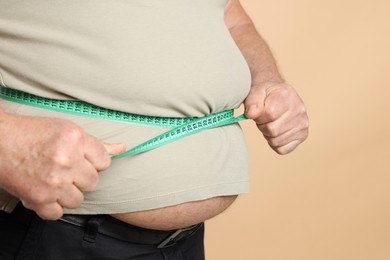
(255, 50)
(274, 105)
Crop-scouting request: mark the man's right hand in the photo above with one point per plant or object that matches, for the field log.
(48, 163)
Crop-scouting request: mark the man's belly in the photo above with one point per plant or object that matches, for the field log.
(178, 216)
(176, 185)
(173, 59)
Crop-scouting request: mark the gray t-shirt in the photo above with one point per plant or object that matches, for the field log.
(162, 58)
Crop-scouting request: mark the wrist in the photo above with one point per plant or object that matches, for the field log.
(268, 84)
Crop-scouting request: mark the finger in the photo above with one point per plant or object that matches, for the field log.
(277, 127)
(52, 211)
(96, 153)
(289, 120)
(286, 138)
(71, 198)
(113, 149)
(254, 102)
(288, 148)
(86, 178)
(272, 106)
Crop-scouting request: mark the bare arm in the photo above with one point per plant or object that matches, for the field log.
(274, 105)
(255, 50)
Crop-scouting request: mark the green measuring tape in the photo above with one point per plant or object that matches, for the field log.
(180, 127)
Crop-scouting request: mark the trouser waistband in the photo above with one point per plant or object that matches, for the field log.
(109, 226)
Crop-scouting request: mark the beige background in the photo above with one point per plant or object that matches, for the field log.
(330, 199)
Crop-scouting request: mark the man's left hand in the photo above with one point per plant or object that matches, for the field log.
(280, 115)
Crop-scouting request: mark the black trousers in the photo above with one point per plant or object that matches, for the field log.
(37, 239)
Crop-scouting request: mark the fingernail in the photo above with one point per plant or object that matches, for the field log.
(121, 147)
(251, 108)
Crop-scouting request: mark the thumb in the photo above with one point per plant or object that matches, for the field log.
(254, 102)
(114, 148)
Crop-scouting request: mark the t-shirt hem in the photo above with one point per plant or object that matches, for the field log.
(159, 201)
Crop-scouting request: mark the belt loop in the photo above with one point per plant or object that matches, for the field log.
(92, 228)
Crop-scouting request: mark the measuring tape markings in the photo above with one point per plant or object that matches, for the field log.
(179, 132)
(181, 127)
